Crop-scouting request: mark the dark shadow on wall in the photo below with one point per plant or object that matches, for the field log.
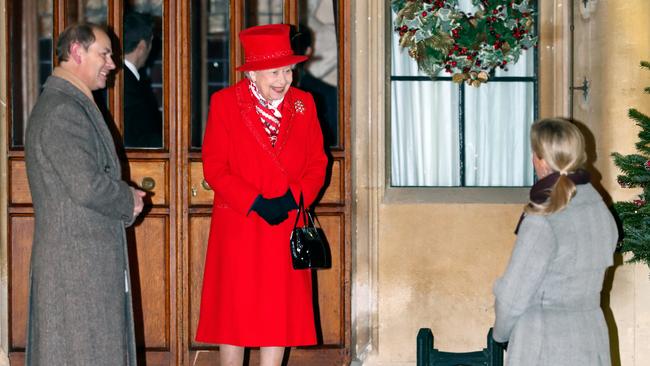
(596, 181)
(614, 348)
(592, 156)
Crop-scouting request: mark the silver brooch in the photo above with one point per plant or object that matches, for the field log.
(300, 108)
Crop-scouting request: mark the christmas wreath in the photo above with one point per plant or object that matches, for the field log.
(439, 36)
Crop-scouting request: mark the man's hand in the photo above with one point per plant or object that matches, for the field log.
(138, 203)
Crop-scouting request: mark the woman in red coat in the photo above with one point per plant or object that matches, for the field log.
(263, 149)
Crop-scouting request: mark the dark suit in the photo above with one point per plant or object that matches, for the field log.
(142, 118)
(326, 98)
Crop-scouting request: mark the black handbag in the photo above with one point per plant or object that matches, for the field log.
(309, 247)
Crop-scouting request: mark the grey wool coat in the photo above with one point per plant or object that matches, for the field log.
(79, 302)
(548, 301)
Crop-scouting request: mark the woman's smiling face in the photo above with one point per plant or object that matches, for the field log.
(273, 84)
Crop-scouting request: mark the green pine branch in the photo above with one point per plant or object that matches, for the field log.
(635, 169)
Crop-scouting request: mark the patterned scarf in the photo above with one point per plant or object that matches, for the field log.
(268, 112)
(541, 190)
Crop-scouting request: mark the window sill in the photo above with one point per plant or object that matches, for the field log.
(489, 195)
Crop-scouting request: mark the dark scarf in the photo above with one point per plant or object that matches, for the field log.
(541, 190)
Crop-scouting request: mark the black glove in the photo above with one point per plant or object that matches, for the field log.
(274, 210)
(286, 201)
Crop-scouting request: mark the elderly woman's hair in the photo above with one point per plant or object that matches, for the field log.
(76, 33)
(561, 144)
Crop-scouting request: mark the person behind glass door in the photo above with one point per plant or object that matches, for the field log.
(262, 151)
(142, 117)
(325, 95)
(548, 300)
(80, 309)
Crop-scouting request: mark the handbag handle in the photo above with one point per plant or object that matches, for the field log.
(306, 215)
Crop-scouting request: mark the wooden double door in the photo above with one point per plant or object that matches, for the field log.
(195, 51)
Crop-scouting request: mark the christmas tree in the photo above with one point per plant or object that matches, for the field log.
(635, 168)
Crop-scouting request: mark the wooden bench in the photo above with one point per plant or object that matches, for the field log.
(429, 356)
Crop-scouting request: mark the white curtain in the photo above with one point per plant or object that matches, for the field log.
(425, 137)
(498, 116)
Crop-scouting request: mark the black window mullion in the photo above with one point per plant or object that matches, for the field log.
(461, 132)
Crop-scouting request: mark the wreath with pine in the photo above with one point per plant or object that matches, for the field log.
(439, 36)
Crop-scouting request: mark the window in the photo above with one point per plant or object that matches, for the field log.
(260, 12)
(30, 44)
(210, 59)
(448, 135)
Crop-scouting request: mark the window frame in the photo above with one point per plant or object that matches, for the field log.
(552, 64)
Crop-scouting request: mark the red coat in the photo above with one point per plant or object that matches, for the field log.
(251, 294)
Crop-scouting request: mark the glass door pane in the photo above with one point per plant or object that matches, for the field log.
(92, 11)
(258, 12)
(143, 74)
(95, 11)
(210, 59)
(316, 37)
(31, 59)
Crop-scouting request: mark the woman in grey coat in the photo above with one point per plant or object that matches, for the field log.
(548, 301)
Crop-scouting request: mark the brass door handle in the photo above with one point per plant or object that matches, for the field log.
(205, 185)
(148, 183)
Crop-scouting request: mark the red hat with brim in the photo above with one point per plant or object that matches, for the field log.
(267, 47)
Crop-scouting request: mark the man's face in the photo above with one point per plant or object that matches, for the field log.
(273, 84)
(96, 62)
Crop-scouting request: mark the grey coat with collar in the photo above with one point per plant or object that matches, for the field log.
(80, 301)
(548, 301)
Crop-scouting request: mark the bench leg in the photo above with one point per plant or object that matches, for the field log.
(425, 346)
(495, 350)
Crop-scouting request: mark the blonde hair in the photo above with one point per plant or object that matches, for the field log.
(562, 146)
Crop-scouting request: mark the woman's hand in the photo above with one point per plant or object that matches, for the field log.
(274, 210)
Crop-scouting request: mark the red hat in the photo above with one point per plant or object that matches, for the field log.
(267, 47)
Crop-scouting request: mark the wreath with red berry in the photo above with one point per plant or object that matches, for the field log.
(439, 36)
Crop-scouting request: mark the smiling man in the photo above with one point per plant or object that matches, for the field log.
(80, 299)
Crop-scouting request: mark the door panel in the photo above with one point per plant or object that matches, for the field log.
(139, 170)
(201, 193)
(198, 238)
(150, 270)
(199, 190)
(21, 229)
(335, 190)
(328, 282)
(19, 188)
(152, 172)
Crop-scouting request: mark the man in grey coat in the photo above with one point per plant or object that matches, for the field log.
(80, 301)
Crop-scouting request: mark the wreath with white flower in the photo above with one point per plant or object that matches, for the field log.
(439, 36)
